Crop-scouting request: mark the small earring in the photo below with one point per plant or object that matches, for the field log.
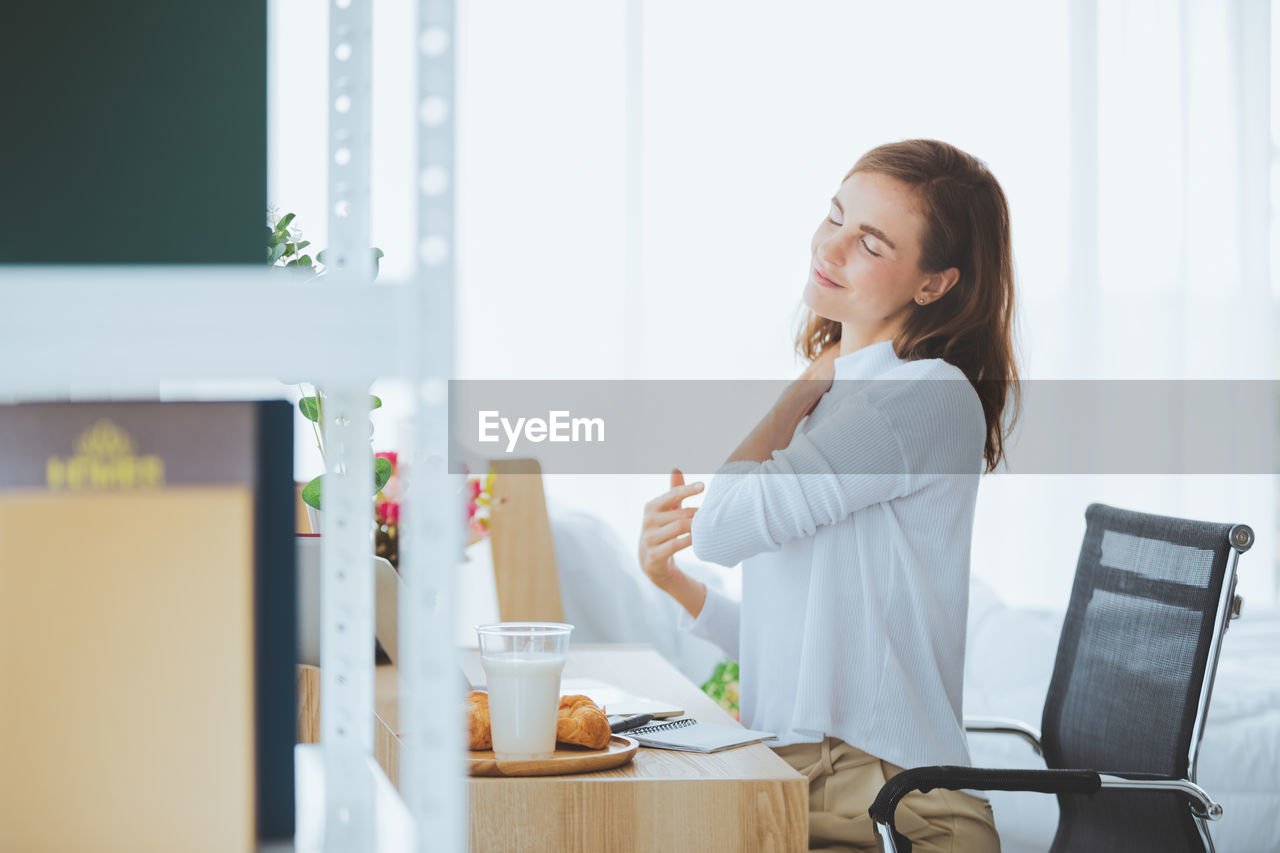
(920, 300)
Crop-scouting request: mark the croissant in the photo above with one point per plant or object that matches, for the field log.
(580, 721)
(478, 736)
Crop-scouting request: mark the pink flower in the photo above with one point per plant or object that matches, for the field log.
(478, 509)
(393, 490)
(387, 512)
(477, 529)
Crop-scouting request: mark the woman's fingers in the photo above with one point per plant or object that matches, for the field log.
(665, 527)
(657, 535)
(657, 519)
(671, 499)
(665, 551)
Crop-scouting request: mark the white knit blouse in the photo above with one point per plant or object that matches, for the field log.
(854, 542)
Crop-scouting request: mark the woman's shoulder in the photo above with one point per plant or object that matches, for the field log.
(927, 395)
(920, 381)
(924, 368)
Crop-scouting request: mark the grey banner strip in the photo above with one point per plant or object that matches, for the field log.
(1066, 427)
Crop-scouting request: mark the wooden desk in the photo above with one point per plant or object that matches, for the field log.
(744, 799)
(386, 746)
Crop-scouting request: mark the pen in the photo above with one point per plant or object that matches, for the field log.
(628, 723)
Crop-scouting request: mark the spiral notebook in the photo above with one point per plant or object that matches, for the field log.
(689, 735)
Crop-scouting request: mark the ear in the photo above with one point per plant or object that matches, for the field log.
(937, 284)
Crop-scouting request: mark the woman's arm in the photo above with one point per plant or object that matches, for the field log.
(688, 593)
(719, 622)
(874, 446)
(663, 532)
(776, 428)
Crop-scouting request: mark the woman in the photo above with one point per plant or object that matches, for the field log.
(851, 503)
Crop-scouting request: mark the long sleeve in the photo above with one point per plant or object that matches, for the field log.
(850, 460)
(873, 445)
(717, 622)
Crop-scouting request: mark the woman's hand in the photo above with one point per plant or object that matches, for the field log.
(665, 530)
(776, 429)
(817, 378)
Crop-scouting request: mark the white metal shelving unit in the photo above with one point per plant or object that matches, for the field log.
(102, 329)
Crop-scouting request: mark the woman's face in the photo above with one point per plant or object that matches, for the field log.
(865, 257)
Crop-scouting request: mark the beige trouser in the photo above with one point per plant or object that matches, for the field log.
(843, 782)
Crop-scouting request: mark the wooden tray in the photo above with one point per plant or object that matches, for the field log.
(567, 759)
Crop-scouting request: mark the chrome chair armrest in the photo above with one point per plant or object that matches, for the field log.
(1202, 805)
(1005, 726)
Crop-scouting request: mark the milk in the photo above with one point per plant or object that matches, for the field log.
(524, 697)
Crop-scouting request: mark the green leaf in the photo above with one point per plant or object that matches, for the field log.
(381, 473)
(310, 408)
(290, 248)
(375, 402)
(304, 244)
(304, 261)
(284, 222)
(320, 256)
(311, 493)
(277, 252)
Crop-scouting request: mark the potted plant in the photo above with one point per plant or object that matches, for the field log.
(286, 251)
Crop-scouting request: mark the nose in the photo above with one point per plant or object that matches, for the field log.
(835, 250)
(832, 259)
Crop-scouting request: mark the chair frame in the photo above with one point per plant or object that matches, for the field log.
(1204, 808)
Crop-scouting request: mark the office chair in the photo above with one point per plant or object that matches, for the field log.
(1127, 702)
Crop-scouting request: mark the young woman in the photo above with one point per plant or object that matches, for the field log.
(850, 505)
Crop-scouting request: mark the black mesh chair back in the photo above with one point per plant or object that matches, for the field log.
(1134, 668)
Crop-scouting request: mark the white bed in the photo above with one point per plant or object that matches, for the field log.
(1010, 658)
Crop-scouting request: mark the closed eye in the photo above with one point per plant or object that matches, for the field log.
(867, 246)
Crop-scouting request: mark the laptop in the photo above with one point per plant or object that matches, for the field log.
(388, 586)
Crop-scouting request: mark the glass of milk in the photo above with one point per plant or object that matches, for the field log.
(522, 665)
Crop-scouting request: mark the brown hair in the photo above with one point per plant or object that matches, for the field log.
(967, 227)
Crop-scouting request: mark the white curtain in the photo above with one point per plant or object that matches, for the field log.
(1169, 278)
(638, 181)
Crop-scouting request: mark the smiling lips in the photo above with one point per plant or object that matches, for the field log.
(824, 281)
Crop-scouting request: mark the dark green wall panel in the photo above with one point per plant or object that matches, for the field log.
(133, 131)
